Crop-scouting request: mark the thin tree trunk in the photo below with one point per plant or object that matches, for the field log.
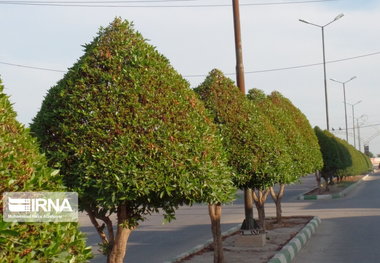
(215, 212)
(318, 178)
(277, 198)
(249, 222)
(119, 247)
(259, 198)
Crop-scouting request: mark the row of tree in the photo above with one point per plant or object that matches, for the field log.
(340, 158)
(130, 136)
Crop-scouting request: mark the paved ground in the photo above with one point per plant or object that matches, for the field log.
(154, 242)
(350, 229)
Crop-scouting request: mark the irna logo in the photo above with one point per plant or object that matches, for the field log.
(40, 206)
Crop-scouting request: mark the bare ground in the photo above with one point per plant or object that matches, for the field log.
(277, 236)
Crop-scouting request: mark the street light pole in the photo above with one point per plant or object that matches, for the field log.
(357, 123)
(345, 106)
(324, 79)
(324, 62)
(353, 118)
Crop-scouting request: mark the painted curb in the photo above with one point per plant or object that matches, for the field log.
(291, 249)
(341, 194)
(198, 248)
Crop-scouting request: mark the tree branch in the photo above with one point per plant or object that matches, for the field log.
(98, 228)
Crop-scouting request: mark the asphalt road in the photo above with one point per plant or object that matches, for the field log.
(156, 242)
(350, 229)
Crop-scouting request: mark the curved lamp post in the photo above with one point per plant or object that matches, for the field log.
(344, 95)
(324, 60)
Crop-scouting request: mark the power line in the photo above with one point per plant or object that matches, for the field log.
(105, 4)
(203, 75)
(295, 67)
(95, 2)
(364, 126)
(31, 67)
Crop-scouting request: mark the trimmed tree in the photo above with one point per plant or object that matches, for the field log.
(24, 169)
(251, 142)
(307, 158)
(301, 142)
(130, 136)
(335, 157)
(341, 158)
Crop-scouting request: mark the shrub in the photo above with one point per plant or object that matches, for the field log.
(24, 169)
(301, 153)
(130, 136)
(252, 143)
(340, 158)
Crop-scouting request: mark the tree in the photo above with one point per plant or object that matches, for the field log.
(335, 157)
(250, 140)
(130, 136)
(340, 158)
(24, 169)
(301, 144)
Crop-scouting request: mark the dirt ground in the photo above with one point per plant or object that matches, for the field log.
(337, 186)
(277, 237)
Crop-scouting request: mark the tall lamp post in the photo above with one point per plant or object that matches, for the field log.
(353, 118)
(344, 95)
(324, 61)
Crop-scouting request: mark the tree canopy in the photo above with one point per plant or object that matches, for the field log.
(252, 143)
(24, 169)
(340, 158)
(125, 128)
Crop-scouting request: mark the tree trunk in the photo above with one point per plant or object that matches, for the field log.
(259, 197)
(215, 212)
(249, 222)
(277, 197)
(318, 178)
(119, 247)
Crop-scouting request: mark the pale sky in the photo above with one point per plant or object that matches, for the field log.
(198, 39)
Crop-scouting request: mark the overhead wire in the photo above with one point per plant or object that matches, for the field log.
(203, 75)
(106, 4)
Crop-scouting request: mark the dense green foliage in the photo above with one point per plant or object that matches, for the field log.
(340, 158)
(255, 149)
(300, 140)
(23, 169)
(300, 146)
(286, 129)
(307, 157)
(125, 128)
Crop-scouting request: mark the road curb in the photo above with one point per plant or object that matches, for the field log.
(286, 254)
(331, 196)
(199, 247)
(291, 249)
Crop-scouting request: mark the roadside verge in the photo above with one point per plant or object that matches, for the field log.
(290, 250)
(332, 196)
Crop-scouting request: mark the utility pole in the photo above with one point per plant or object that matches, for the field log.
(238, 47)
(249, 223)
